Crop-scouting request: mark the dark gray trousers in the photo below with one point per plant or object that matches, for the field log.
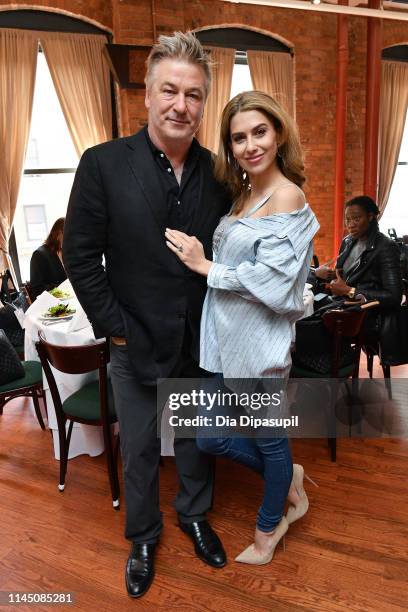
(140, 447)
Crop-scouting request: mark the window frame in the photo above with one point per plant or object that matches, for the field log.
(47, 21)
(25, 209)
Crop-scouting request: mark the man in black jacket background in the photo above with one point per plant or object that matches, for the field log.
(126, 192)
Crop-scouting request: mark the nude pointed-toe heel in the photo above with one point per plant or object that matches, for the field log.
(296, 512)
(252, 557)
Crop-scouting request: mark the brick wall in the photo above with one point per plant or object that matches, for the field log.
(313, 37)
(98, 11)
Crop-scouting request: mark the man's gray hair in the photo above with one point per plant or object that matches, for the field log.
(182, 46)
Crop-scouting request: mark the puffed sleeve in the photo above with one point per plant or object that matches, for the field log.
(270, 279)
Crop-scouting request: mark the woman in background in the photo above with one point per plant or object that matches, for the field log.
(262, 252)
(368, 268)
(46, 268)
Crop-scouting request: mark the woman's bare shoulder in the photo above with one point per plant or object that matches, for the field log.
(286, 198)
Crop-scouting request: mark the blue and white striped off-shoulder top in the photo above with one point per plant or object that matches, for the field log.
(255, 293)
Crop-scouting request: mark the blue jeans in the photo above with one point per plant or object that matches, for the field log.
(271, 458)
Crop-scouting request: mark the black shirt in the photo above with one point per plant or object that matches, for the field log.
(181, 200)
(182, 203)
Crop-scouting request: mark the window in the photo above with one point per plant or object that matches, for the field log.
(396, 213)
(32, 156)
(49, 169)
(241, 39)
(36, 223)
(241, 77)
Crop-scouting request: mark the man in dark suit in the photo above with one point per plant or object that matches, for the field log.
(126, 192)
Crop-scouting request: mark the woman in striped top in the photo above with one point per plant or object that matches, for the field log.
(262, 252)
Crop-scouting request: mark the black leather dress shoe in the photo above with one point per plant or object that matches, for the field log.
(207, 544)
(140, 569)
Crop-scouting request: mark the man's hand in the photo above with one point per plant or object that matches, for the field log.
(338, 286)
(189, 250)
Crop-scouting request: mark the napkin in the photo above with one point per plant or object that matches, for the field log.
(79, 320)
(67, 287)
(42, 304)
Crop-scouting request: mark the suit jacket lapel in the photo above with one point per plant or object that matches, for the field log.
(139, 158)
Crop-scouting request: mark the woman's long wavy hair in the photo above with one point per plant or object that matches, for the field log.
(289, 158)
(54, 238)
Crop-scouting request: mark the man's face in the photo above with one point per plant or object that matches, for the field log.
(175, 97)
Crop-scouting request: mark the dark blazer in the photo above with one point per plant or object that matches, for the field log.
(144, 293)
(46, 270)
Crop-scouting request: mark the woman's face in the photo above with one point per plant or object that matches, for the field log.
(357, 221)
(253, 142)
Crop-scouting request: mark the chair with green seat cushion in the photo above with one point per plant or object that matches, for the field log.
(19, 378)
(342, 325)
(84, 403)
(92, 404)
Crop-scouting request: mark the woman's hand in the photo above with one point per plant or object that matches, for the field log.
(189, 250)
(338, 286)
(324, 272)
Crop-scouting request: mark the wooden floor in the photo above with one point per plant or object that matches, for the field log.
(348, 553)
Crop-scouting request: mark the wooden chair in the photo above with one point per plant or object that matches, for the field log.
(92, 404)
(340, 324)
(30, 385)
(371, 347)
(374, 351)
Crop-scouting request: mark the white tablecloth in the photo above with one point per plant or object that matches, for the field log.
(86, 439)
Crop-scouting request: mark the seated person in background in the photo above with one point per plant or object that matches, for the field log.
(367, 267)
(46, 269)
